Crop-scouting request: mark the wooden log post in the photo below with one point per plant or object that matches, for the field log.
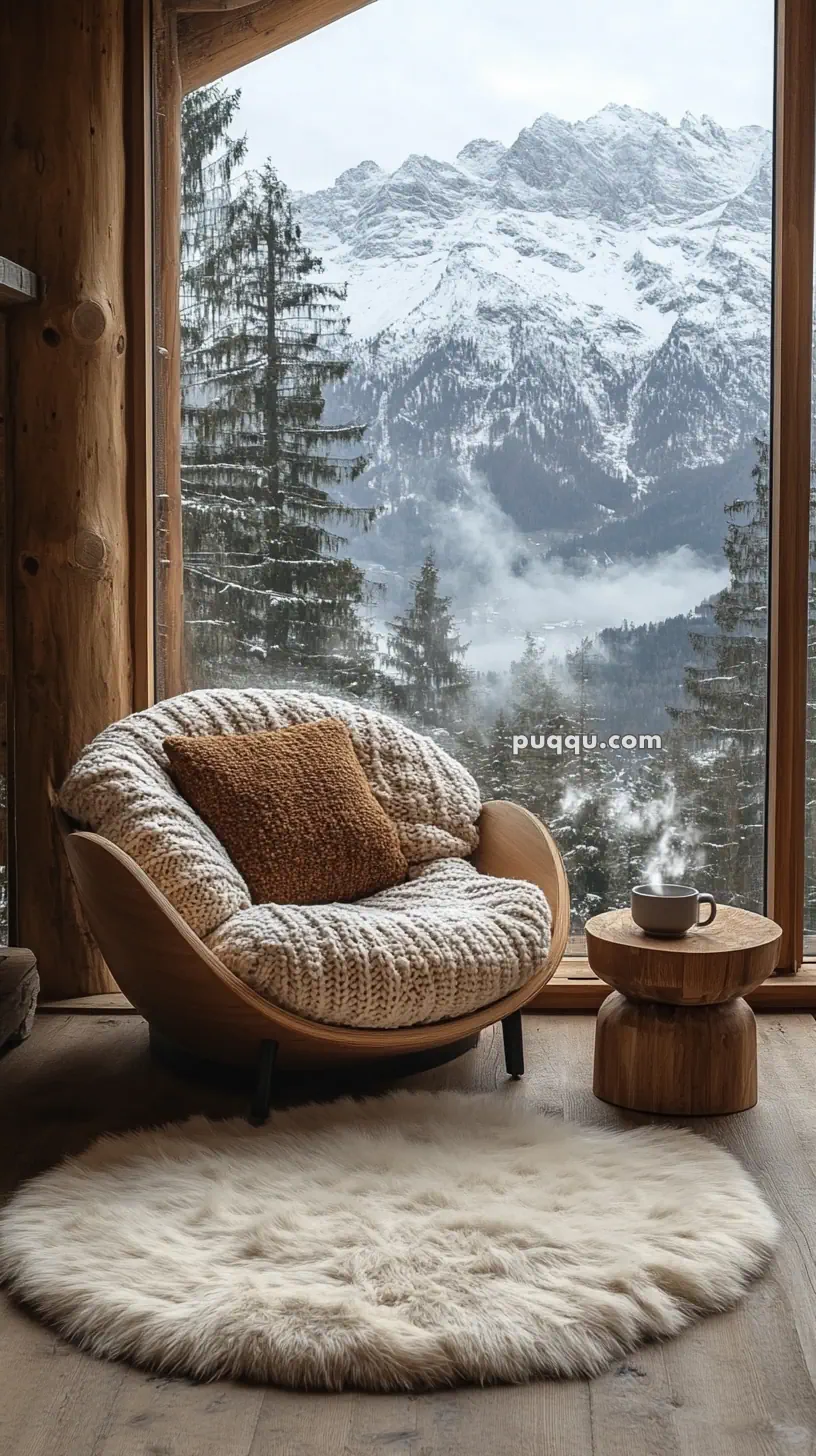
(62, 214)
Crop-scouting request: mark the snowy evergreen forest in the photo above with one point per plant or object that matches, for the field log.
(280, 589)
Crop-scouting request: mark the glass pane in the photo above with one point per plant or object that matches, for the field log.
(476, 338)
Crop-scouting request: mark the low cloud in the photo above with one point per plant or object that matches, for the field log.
(503, 587)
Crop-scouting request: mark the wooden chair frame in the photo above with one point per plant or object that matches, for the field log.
(189, 996)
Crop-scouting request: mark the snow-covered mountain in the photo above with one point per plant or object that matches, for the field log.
(581, 319)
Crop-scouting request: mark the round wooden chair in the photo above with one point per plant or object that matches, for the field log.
(190, 998)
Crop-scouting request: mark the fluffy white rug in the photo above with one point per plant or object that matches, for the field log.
(411, 1241)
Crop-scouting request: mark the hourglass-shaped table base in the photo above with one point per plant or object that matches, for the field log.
(676, 1037)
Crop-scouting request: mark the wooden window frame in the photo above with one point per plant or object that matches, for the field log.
(198, 41)
(791, 445)
(138, 124)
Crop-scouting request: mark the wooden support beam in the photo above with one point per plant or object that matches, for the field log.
(790, 473)
(210, 46)
(62, 214)
(189, 7)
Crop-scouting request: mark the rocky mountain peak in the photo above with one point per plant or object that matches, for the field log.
(364, 175)
(581, 317)
(482, 157)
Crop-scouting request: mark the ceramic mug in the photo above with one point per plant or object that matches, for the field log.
(669, 909)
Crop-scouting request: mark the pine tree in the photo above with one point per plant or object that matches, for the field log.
(580, 826)
(425, 675)
(498, 769)
(584, 822)
(536, 708)
(718, 745)
(590, 768)
(209, 158)
(265, 574)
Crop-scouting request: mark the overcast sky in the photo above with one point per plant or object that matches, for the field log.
(406, 76)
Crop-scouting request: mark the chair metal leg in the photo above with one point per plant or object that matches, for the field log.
(261, 1097)
(513, 1044)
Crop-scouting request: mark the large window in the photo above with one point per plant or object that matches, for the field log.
(475, 397)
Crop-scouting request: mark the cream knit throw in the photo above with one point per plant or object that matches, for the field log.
(446, 942)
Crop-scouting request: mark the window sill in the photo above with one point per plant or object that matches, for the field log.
(575, 987)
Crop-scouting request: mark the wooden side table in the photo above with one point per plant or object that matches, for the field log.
(676, 1036)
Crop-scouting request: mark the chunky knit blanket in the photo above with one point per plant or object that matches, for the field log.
(445, 942)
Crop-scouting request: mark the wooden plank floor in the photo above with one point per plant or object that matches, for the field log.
(743, 1384)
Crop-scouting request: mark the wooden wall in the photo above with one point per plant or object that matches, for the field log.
(62, 214)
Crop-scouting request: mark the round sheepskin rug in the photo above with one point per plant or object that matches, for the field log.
(406, 1242)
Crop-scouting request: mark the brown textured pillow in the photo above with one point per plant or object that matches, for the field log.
(294, 811)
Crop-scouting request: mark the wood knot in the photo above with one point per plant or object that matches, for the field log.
(88, 321)
(90, 550)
